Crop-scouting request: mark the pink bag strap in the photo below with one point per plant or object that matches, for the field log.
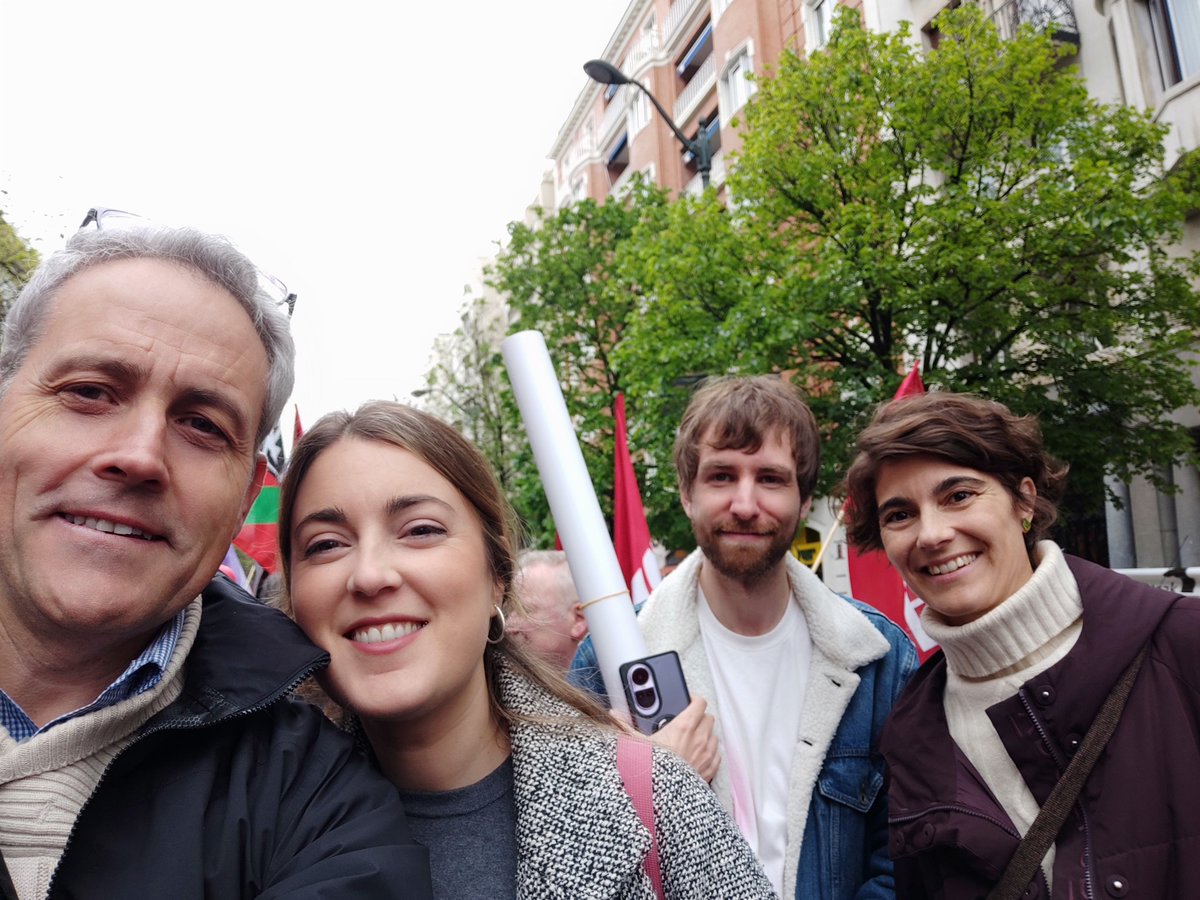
(635, 763)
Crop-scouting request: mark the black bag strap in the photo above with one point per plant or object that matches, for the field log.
(1049, 822)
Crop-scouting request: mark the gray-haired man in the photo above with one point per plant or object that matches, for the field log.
(149, 747)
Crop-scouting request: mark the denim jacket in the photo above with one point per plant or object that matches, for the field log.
(861, 662)
(844, 853)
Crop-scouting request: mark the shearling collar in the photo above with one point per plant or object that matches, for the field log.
(841, 635)
(844, 641)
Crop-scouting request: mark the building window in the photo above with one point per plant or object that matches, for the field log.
(736, 84)
(1175, 28)
(820, 22)
(639, 112)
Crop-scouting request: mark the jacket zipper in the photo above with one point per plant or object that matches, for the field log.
(1089, 891)
(194, 722)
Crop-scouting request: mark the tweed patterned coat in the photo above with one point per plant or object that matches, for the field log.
(578, 835)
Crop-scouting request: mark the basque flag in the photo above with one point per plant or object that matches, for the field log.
(259, 537)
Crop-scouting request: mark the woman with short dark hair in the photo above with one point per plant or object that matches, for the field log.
(959, 492)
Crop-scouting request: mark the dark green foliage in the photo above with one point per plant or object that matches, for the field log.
(17, 262)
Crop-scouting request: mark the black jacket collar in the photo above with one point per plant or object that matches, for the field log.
(245, 656)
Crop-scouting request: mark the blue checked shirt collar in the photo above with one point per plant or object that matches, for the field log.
(139, 676)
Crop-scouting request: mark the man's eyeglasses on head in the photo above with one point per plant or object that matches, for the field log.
(106, 219)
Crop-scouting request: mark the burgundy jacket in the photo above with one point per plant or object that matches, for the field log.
(1135, 831)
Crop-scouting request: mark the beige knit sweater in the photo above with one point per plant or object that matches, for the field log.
(45, 780)
(989, 659)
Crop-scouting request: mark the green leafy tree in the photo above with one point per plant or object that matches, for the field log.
(561, 277)
(706, 310)
(17, 262)
(972, 208)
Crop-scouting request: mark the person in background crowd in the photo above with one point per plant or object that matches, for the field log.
(149, 747)
(398, 555)
(552, 623)
(799, 679)
(960, 493)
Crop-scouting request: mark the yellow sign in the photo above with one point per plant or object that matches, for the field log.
(805, 550)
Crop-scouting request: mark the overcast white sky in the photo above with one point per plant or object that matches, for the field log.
(366, 153)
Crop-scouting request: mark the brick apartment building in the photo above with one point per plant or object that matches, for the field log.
(695, 56)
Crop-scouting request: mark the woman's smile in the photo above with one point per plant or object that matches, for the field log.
(953, 533)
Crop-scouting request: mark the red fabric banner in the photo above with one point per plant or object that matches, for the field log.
(873, 580)
(631, 534)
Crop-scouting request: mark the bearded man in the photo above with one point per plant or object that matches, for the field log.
(798, 679)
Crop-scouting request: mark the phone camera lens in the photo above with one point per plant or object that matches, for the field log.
(640, 675)
(645, 698)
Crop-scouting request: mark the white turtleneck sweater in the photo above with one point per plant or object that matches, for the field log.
(45, 780)
(988, 660)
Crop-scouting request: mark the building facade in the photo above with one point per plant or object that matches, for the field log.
(696, 57)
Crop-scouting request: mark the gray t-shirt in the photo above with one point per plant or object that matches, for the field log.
(471, 836)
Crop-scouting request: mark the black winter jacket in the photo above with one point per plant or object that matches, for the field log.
(236, 790)
(1135, 831)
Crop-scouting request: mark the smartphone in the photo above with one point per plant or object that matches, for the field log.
(655, 689)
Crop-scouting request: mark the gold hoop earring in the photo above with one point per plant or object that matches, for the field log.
(499, 637)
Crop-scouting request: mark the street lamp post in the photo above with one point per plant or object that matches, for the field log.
(606, 73)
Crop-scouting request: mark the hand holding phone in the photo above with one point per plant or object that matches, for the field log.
(692, 736)
(655, 690)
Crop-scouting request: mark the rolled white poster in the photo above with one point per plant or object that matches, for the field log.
(581, 528)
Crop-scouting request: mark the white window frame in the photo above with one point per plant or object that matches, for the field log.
(638, 113)
(818, 22)
(1182, 28)
(736, 88)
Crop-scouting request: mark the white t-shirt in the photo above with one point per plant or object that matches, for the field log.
(760, 684)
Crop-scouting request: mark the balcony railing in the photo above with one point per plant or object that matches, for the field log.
(646, 48)
(675, 16)
(615, 112)
(704, 78)
(1057, 16)
(578, 154)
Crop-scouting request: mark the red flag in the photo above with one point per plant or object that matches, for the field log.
(912, 383)
(631, 534)
(873, 579)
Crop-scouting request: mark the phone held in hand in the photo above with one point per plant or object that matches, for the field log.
(655, 690)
